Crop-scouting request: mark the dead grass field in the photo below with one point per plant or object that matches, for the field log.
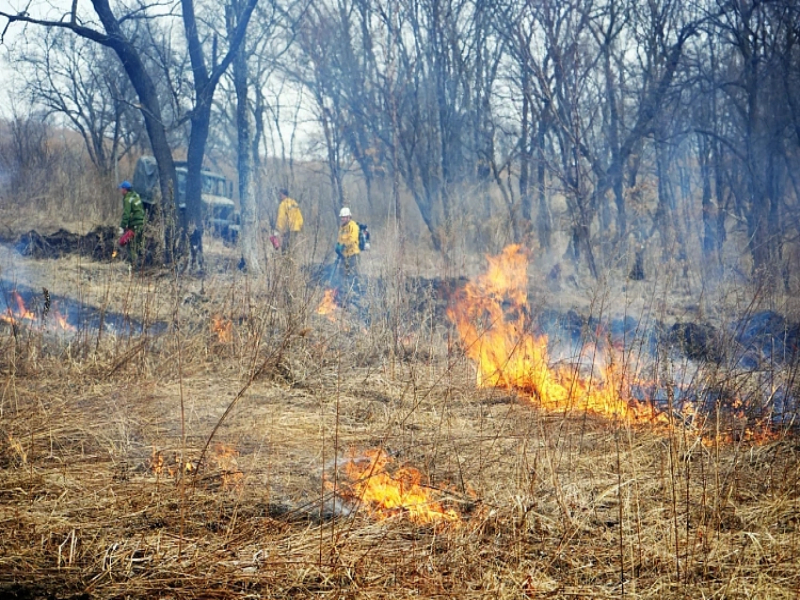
(184, 462)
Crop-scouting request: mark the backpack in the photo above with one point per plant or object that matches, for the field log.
(363, 237)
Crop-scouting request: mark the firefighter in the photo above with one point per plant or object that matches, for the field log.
(347, 250)
(131, 228)
(290, 221)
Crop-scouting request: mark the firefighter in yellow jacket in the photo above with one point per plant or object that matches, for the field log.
(347, 250)
(290, 221)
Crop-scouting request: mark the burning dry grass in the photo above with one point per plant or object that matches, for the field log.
(186, 463)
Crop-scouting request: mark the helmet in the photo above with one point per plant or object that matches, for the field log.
(125, 185)
(345, 212)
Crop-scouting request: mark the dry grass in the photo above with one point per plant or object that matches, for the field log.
(96, 430)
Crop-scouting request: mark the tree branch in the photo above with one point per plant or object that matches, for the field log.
(86, 32)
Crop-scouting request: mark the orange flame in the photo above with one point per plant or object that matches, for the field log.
(328, 306)
(225, 459)
(22, 314)
(158, 464)
(61, 321)
(223, 328)
(737, 428)
(387, 495)
(490, 314)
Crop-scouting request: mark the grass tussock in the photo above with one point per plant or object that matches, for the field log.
(198, 451)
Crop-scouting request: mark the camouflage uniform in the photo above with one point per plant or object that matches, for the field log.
(133, 218)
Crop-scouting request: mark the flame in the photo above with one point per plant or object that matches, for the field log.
(388, 495)
(737, 428)
(61, 321)
(328, 305)
(753, 436)
(158, 464)
(490, 314)
(22, 314)
(223, 328)
(225, 459)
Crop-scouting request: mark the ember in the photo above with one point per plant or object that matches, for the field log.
(490, 314)
(388, 495)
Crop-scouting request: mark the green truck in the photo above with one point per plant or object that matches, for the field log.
(220, 216)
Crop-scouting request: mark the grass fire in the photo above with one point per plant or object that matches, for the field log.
(328, 306)
(376, 299)
(50, 318)
(368, 482)
(233, 436)
(491, 317)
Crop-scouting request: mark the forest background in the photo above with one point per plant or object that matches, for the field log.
(592, 129)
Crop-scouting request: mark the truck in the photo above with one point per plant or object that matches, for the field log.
(220, 216)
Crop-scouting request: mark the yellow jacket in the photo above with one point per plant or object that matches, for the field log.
(348, 237)
(289, 216)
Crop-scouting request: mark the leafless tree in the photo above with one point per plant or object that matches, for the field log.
(82, 83)
(252, 66)
(757, 57)
(205, 78)
(113, 35)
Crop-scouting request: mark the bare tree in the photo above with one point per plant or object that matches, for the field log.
(259, 49)
(204, 81)
(243, 150)
(758, 45)
(79, 81)
(114, 37)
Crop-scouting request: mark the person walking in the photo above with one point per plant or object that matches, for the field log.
(131, 227)
(290, 221)
(347, 249)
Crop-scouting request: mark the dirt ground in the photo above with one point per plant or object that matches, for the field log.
(206, 454)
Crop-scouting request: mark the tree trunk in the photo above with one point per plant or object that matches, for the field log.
(709, 232)
(249, 226)
(524, 150)
(151, 110)
(204, 86)
(544, 222)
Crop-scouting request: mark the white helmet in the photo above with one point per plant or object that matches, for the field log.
(345, 212)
